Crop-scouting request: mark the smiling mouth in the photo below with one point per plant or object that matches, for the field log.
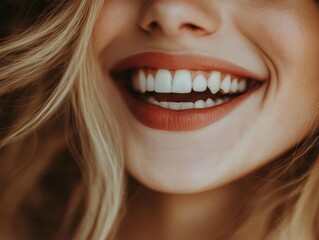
(181, 93)
(184, 89)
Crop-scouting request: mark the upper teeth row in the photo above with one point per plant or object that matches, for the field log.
(182, 82)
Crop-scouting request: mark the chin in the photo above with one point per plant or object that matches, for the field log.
(195, 161)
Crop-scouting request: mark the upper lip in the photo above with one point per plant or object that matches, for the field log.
(182, 61)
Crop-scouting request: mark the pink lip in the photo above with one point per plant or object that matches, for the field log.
(183, 120)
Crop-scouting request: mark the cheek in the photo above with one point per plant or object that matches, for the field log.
(287, 37)
(288, 42)
(112, 23)
(291, 45)
(294, 51)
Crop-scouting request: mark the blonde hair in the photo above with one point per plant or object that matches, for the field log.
(50, 67)
(285, 202)
(50, 92)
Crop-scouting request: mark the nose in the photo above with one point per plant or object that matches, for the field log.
(173, 18)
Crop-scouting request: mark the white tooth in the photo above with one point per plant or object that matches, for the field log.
(187, 105)
(163, 81)
(199, 104)
(210, 102)
(182, 82)
(234, 86)
(214, 82)
(139, 81)
(218, 102)
(153, 101)
(242, 86)
(174, 105)
(163, 104)
(226, 84)
(150, 83)
(200, 83)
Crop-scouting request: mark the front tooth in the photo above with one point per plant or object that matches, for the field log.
(163, 81)
(226, 84)
(200, 83)
(242, 86)
(139, 81)
(174, 105)
(210, 102)
(234, 86)
(150, 83)
(214, 82)
(199, 104)
(182, 82)
(187, 105)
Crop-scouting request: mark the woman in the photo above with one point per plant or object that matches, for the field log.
(158, 119)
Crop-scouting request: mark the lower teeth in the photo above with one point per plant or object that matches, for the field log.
(200, 104)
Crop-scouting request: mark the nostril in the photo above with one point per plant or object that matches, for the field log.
(153, 26)
(193, 28)
(168, 18)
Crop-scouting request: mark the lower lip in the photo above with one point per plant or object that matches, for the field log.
(182, 120)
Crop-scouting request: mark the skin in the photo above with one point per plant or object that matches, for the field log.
(190, 172)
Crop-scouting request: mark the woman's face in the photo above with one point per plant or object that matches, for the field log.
(242, 73)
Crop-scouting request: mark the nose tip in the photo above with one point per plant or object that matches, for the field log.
(173, 18)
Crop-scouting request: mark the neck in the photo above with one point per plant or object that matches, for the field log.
(206, 215)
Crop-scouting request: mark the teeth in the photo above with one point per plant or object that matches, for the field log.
(182, 82)
(214, 82)
(139, 81)
(234, 86)
(218, 101)
(187, 105)
(210, 102)
(199, 104)
(242, 86)
(153, 101)
(164, 104)
(200, 83)
(226, 84)
(150, 83)
(174, 105)
(163, 81)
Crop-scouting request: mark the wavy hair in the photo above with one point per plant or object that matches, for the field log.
(52, 108)
(61, 151)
